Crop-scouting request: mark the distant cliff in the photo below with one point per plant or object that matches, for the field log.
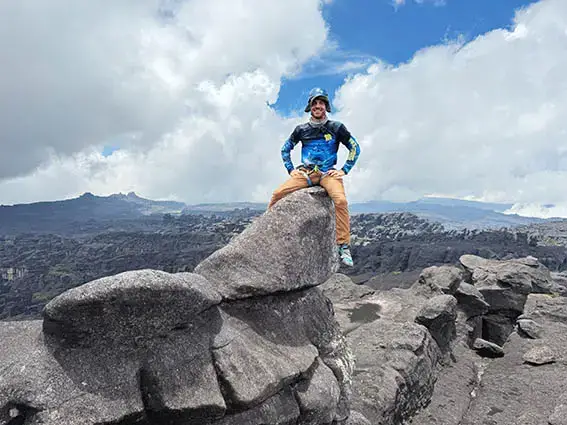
(71, 215)
(47, 261)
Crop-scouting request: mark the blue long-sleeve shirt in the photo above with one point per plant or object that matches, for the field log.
(320, 144)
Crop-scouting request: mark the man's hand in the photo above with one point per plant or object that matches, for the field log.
(295, 173)
(336, 173)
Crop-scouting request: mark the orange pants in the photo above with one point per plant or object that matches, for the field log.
(334, 187)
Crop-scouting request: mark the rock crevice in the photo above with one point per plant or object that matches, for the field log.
(247, 338)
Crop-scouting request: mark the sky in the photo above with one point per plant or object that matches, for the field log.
(191, 100)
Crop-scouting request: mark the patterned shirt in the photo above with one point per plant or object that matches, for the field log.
(319, 146)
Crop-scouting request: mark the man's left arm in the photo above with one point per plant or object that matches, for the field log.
(352, 145)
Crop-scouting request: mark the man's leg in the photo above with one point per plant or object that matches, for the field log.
(290, 185)
(336, 190)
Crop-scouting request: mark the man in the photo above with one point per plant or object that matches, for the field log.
(320, 139)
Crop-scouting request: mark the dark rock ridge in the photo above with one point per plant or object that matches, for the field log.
(35, 267)
(244, 340)
(55, 216)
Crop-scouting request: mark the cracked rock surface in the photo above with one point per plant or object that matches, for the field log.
(415, 348)
(247, 339)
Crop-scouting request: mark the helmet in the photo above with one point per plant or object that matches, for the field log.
(318, 93)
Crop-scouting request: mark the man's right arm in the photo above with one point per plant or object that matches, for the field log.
(287, 148)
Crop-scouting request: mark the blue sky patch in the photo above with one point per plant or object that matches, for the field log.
(109, 150)
(363, 31)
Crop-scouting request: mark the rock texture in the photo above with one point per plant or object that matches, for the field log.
(438, 353)
(522, 382)
(248, 339)
(513, 392)
(396, 357)
(487, 349)
(505, 286)
(291, 248)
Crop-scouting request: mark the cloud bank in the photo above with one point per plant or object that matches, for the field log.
(185, 91)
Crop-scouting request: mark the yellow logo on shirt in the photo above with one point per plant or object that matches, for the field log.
(328, 137)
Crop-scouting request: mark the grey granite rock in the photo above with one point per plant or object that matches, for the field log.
(266, 346)
(318, 396)
(487, 348)
(281, 350)
(127, 308)
(339, 288)
(47, 391)
(444, 279)
(149, 347)
(559, 415)
(280, 409)
(470, 300)
(516, 393)
(288, 248)
(357, 418)
(522, 275)
(395, 370)
(438, 315)
(529, 328)
(541, 355)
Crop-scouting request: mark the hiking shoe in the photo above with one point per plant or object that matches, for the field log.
(344, 255)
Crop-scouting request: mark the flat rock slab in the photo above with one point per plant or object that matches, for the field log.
(290, 247)
(538, 356)
(340, 288)
(487, 349)
(127, 308)
(452, 395)
(516, 393)
(523, 275)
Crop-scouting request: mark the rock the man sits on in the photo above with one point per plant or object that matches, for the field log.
(320, 139)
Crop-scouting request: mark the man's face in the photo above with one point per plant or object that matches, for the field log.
(318, 109)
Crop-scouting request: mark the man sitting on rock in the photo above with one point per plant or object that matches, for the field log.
(320, 139)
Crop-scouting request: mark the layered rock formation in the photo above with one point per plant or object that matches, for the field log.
(246, 339)
(253, 337)
(461, 346)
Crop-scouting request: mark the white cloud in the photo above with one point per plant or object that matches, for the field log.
(189, 99)
(398, 3)
(332, 60)
(539, 210)
(185, 92)
(483, 119)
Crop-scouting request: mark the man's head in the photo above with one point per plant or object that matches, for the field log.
(318, 103)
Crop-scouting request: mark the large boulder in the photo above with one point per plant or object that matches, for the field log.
(438, 315)
(471, 300)
(340, 288)
(440, 279)
(248, 340)
(522, 276)
(520, 380)
(505, 286)
(291, 248)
